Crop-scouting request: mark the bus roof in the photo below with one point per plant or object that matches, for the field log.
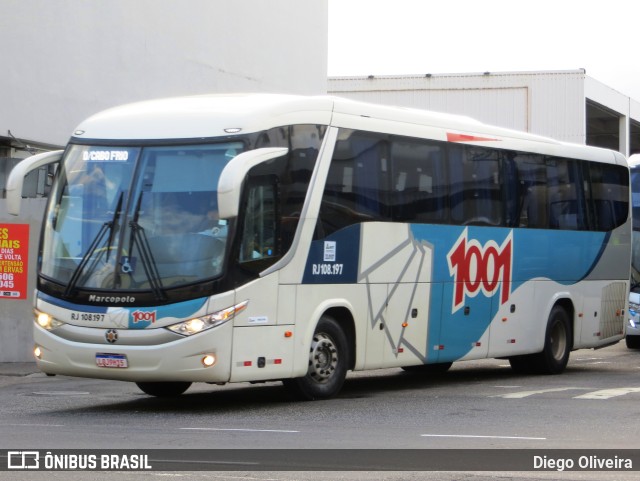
(220, 115)
(205, 116)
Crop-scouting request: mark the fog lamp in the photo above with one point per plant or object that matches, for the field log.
(208, 360)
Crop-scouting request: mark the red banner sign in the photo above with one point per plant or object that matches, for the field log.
(14, 260)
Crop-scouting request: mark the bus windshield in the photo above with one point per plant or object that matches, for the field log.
(107, 228)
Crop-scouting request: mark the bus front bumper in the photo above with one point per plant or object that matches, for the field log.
(119, 358)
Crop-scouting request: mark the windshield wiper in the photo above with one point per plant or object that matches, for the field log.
(114, 220)
(139, 239)
(107, 226)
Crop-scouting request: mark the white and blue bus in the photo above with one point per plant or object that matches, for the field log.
(632, 334)
(281, 238)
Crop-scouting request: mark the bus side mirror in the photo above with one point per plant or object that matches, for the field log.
(20, 171)
(233, 175)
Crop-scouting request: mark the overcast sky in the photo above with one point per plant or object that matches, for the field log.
(387, 37)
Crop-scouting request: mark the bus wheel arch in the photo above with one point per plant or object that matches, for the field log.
(330, 357)
(343, 316)
(558, 343)
(558, 339)
(567, 305)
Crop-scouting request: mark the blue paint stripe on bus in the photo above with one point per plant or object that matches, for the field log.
(565, 257)
(70, 305)
(179, 310)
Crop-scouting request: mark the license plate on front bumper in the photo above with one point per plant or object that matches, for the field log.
(104, 359)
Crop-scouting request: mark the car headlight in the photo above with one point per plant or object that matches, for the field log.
(200, 324)
(46, 321)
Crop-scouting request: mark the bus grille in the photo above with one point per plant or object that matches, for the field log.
(612, 309)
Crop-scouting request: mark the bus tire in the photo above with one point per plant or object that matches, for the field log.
(328, 359)
(632, 342)
(163, 389)
(554, 356)
(434, 369)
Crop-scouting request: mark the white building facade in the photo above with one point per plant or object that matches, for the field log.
(66, 60)
(565, 105)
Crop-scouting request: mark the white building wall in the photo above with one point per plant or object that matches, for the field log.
(549, 103)
(606, 96)
(544, 103)
(634, 110)
(613, 100)
(475, 96)
(64, 60)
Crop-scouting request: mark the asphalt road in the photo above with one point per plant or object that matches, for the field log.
(476, 405)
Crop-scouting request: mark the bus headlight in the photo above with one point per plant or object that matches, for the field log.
(199, 324)
(45, 321)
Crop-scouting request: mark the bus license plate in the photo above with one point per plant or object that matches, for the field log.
(111, 360)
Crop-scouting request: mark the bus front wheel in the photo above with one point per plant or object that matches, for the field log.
(163, 389)
(328, 356)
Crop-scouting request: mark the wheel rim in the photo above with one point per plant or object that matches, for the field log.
(558, 341)
(323, 359)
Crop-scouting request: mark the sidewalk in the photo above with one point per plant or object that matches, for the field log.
(17, 368)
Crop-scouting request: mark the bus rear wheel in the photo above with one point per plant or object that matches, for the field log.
(554, 356)
(328, 358)
(163, 389)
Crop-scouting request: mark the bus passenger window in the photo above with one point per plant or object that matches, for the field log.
(475, 186)
(566, 202)
(418, 190)
(610, 191)
(532, 196)
(357, 183)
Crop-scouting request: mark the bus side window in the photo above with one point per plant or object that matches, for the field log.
(418, 186)
(512, 193)
(609, 190)
(475, 186)
(293, 185)
(357, 183)
(533, 191)
(566, 202)
(259, 227)
(293, 173)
